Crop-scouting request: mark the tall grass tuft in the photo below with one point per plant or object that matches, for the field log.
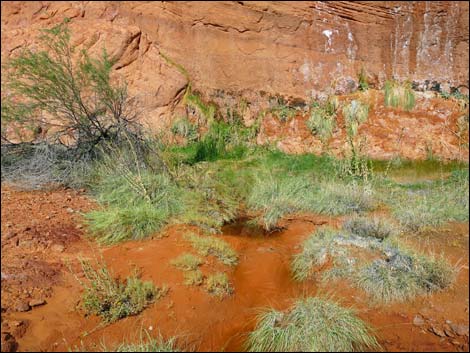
(311, 325)
(322, 121)
(403, 275)
(399, 95)
(316, 251)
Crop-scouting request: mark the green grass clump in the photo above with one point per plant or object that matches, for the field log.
(322, 119)
(375, 227)
(312, 325)
(219, 285)
(316, 251)
(211, 245)
(432, 205)
(404, 275)
(399, 95)
(114, 224)
(113, 300)
(279, 196)
(338, 198)
(276, 197)
(187, 262)
(193, 278)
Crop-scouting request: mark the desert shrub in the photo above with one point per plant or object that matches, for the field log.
(77, 96)
(219, 285)
(112, 299)
(72, 106)
(187, 262)
(399, 95)
(311, 325)
(193, 278)
(316, 250)
(322, 119)
(211, 245)
(404, 274)
(370, 227)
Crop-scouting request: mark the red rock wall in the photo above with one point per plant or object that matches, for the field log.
(295, 49)
(290, 48)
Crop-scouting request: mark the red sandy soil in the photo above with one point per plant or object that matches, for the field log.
(41, 234)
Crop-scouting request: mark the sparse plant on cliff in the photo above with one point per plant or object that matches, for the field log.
(184, 128)
(362, 77)
(322, 119)
(399, 95)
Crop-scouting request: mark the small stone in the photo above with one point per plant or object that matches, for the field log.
(418, 320)
(70, 210)
(58, 248)
(79, 226)
(16, 323)
(36, 302)
(437, 331)
(455, 342)
(22, 307)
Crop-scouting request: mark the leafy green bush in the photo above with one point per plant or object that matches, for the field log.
(311, 325)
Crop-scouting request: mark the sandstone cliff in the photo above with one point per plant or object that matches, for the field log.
(256, 49)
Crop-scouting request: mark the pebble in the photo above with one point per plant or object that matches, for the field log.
(418, 320)
(36, 302)
(437, 331)
(22, 307)
(58, 248)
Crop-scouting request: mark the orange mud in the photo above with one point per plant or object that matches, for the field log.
(202, 321)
